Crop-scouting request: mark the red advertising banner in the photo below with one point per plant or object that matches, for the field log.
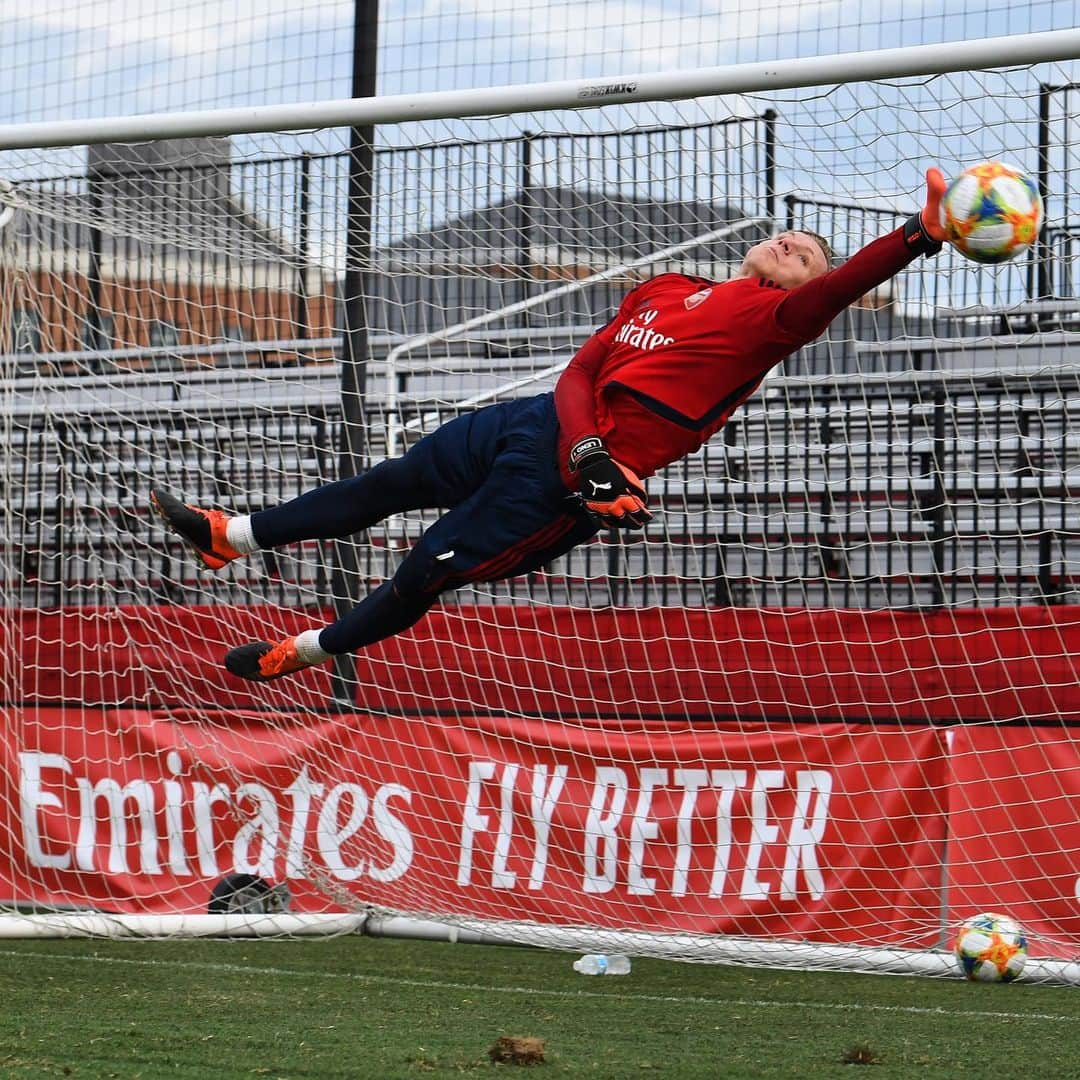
(831, 832)
(812, 774)
(1014, 823)
(921, 667)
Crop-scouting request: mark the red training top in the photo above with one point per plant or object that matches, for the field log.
(683, 353)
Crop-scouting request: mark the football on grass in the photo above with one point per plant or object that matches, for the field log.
(991, 948)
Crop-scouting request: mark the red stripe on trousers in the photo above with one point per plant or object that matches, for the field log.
(488, 571)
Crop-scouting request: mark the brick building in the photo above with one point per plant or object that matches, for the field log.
(155, 249)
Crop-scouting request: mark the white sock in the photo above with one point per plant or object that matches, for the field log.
(307, 646)
(238, 533)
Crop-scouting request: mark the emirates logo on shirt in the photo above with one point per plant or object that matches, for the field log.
(699, 297)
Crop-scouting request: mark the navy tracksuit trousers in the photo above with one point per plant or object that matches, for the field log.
(495, 471)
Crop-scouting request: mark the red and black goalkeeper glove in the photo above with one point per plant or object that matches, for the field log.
(610, 491)
(923, 232)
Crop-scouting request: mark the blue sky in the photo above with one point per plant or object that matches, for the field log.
(82, 58)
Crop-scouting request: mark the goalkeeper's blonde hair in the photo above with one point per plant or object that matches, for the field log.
(826, 247)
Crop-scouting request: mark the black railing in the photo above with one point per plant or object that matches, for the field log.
(894, 495)
(458, 229)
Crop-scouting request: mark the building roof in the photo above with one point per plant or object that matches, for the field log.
(557, 223)
(158, 207)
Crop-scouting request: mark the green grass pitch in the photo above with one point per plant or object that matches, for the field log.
(361, 1007)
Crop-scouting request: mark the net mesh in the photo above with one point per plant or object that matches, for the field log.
(828, 693)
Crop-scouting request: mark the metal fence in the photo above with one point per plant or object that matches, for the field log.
(175, 243)
(895, 494)
(458, 228)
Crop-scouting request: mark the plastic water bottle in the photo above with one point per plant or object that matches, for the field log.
(601, 964)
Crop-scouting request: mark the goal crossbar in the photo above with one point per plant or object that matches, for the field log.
(916, 60)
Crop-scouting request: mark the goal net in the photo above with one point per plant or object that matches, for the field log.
(822, 708)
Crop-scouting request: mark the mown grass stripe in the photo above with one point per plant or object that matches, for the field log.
(434, 984)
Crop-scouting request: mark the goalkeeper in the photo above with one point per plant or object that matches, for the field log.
(525, 481)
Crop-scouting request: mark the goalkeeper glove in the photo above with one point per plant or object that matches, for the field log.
(923, 232)
(610, 491)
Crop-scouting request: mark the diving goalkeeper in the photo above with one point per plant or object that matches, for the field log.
(525, 481)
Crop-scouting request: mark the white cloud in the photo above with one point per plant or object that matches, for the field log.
(187, 29)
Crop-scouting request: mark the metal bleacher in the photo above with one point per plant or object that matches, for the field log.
(950, 481)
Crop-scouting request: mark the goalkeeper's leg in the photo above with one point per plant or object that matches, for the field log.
(518, 520)
(430, 569)
(437, 472)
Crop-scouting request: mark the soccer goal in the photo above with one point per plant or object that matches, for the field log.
(824, 708)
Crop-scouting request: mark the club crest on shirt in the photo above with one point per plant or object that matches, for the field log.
(699, 297)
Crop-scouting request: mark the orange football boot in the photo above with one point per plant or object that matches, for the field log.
(202, 530)
(260, 661)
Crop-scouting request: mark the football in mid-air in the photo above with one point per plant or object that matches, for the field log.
(991, 948)
(991, 212)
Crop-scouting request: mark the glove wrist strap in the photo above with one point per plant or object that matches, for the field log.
(916, 238)
(590, 446)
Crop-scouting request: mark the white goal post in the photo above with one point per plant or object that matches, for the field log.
(821, 709)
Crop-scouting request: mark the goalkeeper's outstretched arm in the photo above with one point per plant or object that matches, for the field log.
(807, 310)
(797, 297)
